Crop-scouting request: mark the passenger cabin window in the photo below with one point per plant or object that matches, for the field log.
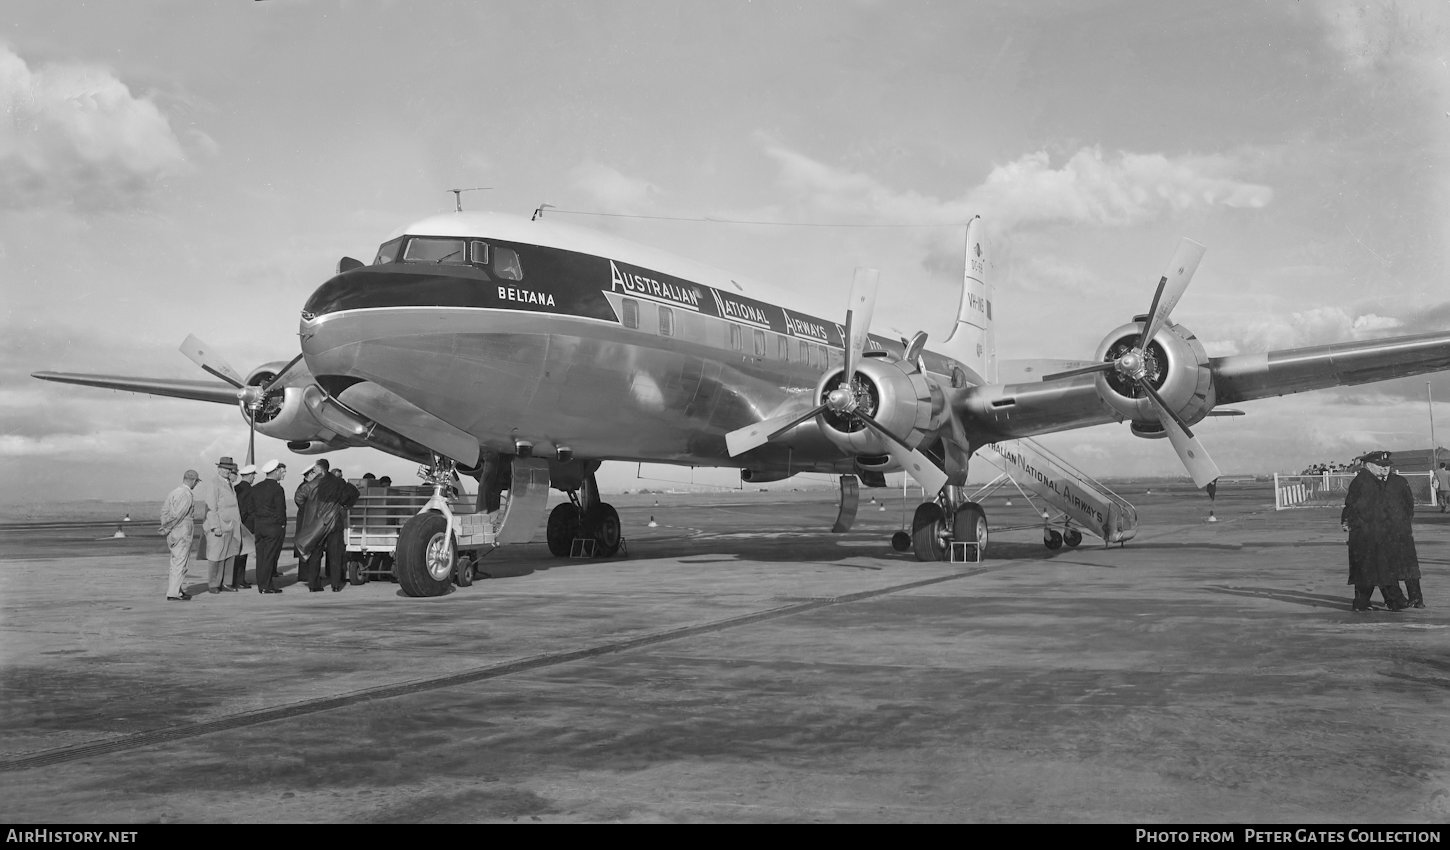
(735, 338)
(784, 348)
(667, 322)
(432, 249)
(388, 252)
(760, 343)
(631, 312)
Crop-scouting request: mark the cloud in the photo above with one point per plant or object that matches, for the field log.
(1112, 191)
(76, 135)
(1374, 37)
(613, 189)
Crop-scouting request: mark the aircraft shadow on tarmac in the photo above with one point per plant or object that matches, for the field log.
(1311, 600)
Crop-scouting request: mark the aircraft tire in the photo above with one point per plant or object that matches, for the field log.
(602, 524)
(1072, 537)
(1052, 540)
(927, 525)
(969, 525)
(355, 573)
(423, 562)
(562, 529)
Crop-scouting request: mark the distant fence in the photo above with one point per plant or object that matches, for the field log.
(1327, 489)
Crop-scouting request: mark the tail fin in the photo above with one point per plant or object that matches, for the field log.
(973, 341)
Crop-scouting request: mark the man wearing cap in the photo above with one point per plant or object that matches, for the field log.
(220, 521)
(1377, 513)
(269, 522)
(176, 525)
(1442, 485)
(238, 573)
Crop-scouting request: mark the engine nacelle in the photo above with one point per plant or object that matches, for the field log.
(892, 392)
(1177, 367)
(758, 476)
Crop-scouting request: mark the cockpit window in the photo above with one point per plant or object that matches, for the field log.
(388, 253)
(506, 264)
(432, 249)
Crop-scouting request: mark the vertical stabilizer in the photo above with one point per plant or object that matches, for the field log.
(973, 340)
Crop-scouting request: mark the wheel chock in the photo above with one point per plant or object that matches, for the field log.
(582, 547)
(966, 552)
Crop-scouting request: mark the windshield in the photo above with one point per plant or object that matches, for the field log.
(388, 252)
(431, 249)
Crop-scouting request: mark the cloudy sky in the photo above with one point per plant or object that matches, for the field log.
(176, 167)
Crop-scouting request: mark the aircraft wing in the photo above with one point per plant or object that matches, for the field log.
(212, 391)
(1249, 376)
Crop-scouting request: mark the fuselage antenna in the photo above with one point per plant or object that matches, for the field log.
(458, 194)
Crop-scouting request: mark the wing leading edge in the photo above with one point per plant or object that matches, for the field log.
(172, 388)
(1295, 370)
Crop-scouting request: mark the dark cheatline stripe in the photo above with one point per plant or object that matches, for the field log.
(292, 711)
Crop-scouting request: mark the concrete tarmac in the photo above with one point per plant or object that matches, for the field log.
(742, 665)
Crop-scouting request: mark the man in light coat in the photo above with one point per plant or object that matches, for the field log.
(221, 521)
(176, 524)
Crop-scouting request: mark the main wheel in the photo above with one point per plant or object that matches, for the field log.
(562, 529)
(423, 562)
(602, 524)
(928, 532)
(969, 525)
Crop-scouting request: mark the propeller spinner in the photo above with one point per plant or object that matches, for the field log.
(252, 397)
(1136, 364)
(845, 400)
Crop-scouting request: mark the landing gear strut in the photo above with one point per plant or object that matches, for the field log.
(584, 516)
(427, 555)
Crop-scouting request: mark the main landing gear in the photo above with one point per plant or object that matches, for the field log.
(938, 523)
(584, 517)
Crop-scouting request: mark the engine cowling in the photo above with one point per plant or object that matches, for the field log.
(1177, 367)
(901, 399)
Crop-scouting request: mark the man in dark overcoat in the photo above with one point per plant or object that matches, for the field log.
(269, 512)
(1377, 513)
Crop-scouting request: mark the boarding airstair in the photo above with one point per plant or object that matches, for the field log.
(1080, 502)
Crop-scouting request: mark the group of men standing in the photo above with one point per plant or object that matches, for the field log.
(239, 519)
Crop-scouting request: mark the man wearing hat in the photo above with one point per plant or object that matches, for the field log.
(221, 520)
(176, 525)
(1377, 513)
(269, 522)
(238, 573)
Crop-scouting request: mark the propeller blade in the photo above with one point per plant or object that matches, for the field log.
(858, 317)
(252, 437)
(1085, 370)
(290, 363)
(742, 440)
(199, 353)
(1171, 286)
(1194, 456)
(916, 464)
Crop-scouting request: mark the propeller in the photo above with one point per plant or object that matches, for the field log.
(251, 397)
(843, 400)
(1134, 363)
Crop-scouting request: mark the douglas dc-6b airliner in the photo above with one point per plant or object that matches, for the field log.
(525, 353)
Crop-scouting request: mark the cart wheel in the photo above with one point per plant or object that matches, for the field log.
(423, 562)
(1072, 537)
(1052, 540)
(463, 575)
(355, 573)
